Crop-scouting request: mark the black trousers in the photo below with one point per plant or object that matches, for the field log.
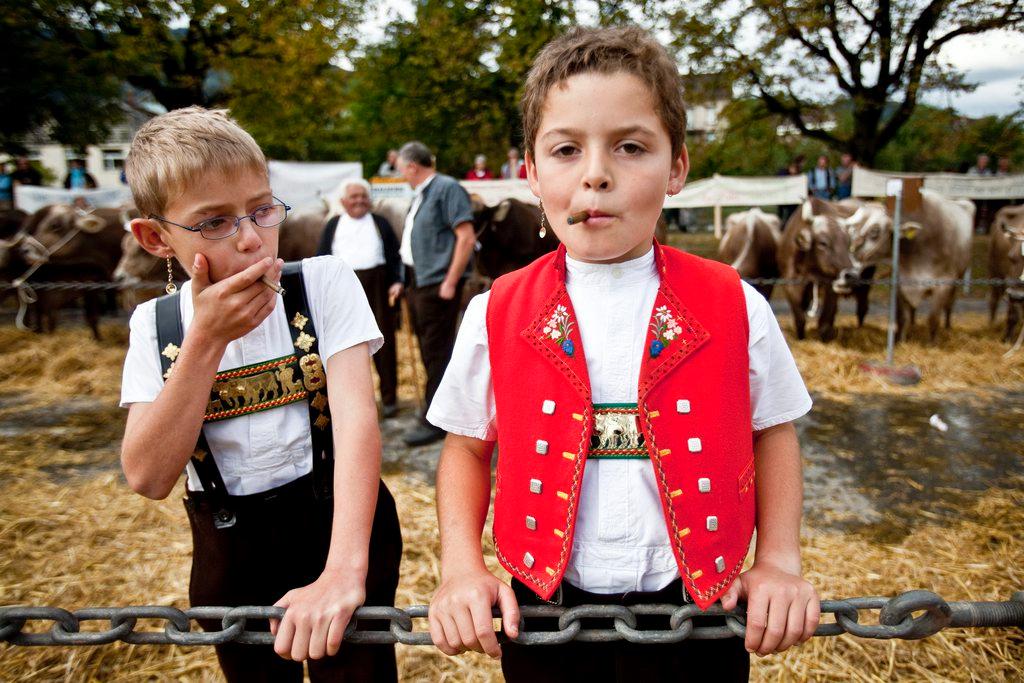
(436, 322)
(689, 660)
(280, 542)
(376, 282)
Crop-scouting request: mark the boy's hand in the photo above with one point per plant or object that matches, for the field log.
(782, 608)
(316, 618)
(236, 305)
(460, 613)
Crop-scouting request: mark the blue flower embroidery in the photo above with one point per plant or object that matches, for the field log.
(665, 327)
(558, 329)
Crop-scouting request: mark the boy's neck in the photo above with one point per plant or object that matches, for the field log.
(633, 254)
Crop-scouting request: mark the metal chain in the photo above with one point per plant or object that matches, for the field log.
(883, 282)
(895, 620)
(77, 285)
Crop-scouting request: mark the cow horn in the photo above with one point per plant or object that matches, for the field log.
(90, 223)
(807, 211)
(502, 211)
(855, 219)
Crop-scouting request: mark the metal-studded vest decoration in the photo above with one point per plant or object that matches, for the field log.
(692, 420)
(262, 386)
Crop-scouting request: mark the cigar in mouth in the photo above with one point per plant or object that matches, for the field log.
(273, 285)
(578, 217)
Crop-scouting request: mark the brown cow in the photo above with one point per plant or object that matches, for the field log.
(136, 266)
(1006, 262)
(814, 251)
(507, 236)
(300, 233)
(750, 244)
(61, 243)
(936, 245)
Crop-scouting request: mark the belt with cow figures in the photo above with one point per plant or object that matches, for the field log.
(617, 434)
(262, 386)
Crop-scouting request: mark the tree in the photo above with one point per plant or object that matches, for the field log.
(271, 62)
(54, 76)
(794, 55)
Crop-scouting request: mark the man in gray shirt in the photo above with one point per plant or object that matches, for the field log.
(437, 244)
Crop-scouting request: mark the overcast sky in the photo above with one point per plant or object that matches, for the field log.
(995, 61)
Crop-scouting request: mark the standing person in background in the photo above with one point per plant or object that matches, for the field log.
(1003, 166)
(78, 178)
(844, 176)
(368, 244)
(981, 166)
(6, 188)
(479, 170)
(795, 167)
(388, 169)
(514, 167)
(821, 182)
(983, 214)
(25, 174)
(437, 244)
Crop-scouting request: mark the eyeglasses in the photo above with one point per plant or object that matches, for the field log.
(220, 227)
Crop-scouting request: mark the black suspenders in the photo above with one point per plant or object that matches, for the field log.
(306, 349)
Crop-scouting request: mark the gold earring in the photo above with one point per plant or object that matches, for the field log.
(542, 233)
(171, 288)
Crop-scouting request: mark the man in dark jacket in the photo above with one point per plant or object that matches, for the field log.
(368, 244)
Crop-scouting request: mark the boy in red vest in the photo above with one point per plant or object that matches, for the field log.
(635, 393)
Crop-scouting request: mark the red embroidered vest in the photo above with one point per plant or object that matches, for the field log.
(693, 404)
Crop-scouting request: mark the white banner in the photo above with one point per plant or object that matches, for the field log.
(31, 198)
(868, 183)
(732, 191)
(306, 184)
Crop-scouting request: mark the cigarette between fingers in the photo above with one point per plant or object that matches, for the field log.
(273, 285)
(578, 217)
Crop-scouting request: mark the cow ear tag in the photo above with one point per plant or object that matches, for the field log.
(909, 233)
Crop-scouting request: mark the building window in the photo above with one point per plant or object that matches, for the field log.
(113, 160)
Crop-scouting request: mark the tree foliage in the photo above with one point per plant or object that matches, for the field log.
(795, 55)
(55, 74)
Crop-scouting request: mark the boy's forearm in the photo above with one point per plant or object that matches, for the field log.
(463, 496)
(779, 497)
(356, 480)
(158, 444)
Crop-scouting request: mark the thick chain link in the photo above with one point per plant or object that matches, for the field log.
(895, 620)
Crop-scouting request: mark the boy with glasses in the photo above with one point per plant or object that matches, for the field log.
(254, 391)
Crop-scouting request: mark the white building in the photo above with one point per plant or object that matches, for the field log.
(104, 161)
(706, 97)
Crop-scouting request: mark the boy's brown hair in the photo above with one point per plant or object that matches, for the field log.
(628, 49)
(176, 148)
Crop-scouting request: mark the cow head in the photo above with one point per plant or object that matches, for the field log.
(11, 233)
(507, 236)
(823, 240)
(136, 264)
(58, 226)
(1011, 223)
(870, 231)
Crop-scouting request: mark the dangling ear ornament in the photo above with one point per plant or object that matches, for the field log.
(171, 288)
(543, 232)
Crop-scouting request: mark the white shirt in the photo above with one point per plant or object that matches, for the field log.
(620, 543)
(405, 251)
(263, 450)
(358, 242)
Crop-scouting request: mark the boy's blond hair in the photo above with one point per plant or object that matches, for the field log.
(628, 49)
(176, 148)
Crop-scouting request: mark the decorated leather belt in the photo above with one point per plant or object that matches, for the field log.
(266, 385)
(617, 432)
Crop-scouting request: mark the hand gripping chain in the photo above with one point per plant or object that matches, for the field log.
(895, 620)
